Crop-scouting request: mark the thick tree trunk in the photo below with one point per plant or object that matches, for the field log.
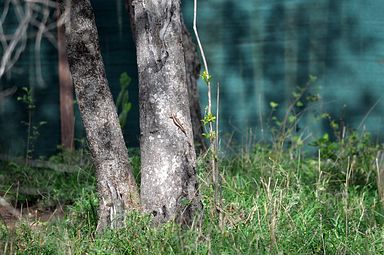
(116, 185)
(192, 64)
(168, 174)
(67, 118)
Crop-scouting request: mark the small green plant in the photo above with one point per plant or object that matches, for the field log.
(206, 77)
(211, 124)
(3, 231)
(32, 129)
(284, 129)
(122, 103)
(349, 156)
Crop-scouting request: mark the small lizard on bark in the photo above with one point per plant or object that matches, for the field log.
(178, 123)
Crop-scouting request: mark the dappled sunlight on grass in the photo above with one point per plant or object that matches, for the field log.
(272, 203)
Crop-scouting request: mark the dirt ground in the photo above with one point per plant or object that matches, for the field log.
(33, 216)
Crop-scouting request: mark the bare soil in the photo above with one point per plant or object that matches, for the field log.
(32, 215)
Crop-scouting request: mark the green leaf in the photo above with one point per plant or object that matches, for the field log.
(273, 104)
(325, 116)
(127, 107)
(206, 77)
(125, 80)
(209, 135)
(312, 78)
(209, 118)
(296, 94)
(334, 125)
(291, 119)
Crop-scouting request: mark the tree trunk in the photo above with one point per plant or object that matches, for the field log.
(192, 64)
(67, 118)
(168, 170)
(116, 185)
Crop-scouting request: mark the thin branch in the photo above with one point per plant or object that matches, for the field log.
(39, 37)
(29, 14)
(197, 35)
(19, 36)
(51, 4)
(213, 136)
(369, 112)
(217, 116)
(5, 11)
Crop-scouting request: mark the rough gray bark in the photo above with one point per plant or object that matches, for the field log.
(168, 174)
(192, 64)
(116, 185)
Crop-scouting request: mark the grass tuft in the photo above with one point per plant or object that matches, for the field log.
(273, 203)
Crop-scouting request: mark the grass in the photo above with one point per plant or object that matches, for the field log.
(274, 202)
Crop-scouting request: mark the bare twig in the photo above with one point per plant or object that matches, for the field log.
(28, 14)
(7, 61)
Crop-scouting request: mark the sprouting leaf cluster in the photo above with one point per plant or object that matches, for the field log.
(206, 77)
(209, 118)
(27, 98)
(33, 130)
(285, 126)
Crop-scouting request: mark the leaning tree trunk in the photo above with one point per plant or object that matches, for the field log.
(116, 185)
(168, 174)
(192, 68)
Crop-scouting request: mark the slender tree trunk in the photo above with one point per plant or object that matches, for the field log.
(116, 185)
(168, 174)
(67, 118)
(192, 64)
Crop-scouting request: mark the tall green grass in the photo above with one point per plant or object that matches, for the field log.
(274, 202)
